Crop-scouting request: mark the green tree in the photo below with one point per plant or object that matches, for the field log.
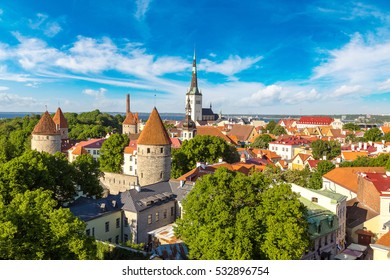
(373, 134)
(386, 137)
(270, 127)
(330, 149)
(111, 153)
(34, 170)
(32, 228)
(87, 175)
(351, 126)
(261, 141)
(323, 167)
(279, 130)
(230, 216)
(202, 148)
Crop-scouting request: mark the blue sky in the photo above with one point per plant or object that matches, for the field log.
(258, 57)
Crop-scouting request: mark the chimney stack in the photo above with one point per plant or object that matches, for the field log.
(128, 103)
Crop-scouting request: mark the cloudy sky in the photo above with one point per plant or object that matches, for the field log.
(258, 57)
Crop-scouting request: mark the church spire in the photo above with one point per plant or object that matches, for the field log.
(194, 81)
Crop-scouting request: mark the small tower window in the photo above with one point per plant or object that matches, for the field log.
(161, 150)
(161, 175)
(148, 150)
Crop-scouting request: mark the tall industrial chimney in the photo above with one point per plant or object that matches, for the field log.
(128, 104)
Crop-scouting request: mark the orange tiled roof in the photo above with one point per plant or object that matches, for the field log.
(154, 132)
(347, 176)
(212, 131)
(303, 157)
(129, 150)
(59, 119)
(352, 155)
(384, 240)
(242, 132)
(385, 129)
(131, 119)
(45, 126)
(79, 150)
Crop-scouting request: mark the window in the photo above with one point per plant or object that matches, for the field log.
(165, 213)
(172, 211)
(131, 168)
(118, 222)
(117, 239)
(131, 158)
(198, 102)
(97, 151)
(149, 219)
(161, 150)
(107, 226)
(94, 152)
(109, 240)
(157, 216)
(142, 175)
(161, 175)
(135, 161)
(148, 150)
(88, 232)
(126, 222)
(314, 199)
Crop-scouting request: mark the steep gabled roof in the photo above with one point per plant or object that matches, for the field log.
(59, 119)
(131, 119)
(45, 126)
(243, 132)
(212, 131)
(79, 150)
(154, 132)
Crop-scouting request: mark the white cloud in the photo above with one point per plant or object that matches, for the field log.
(14, 101)
(4, 88)
(95, 93)
(142, 6)
(384, 85)
(358, 61)
(229, 67)
(49, 27)
(347, 90)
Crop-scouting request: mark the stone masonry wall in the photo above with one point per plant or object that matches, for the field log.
(46, 143)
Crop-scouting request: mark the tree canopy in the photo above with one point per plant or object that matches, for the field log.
(262, 141)
(32, 228)
(34, 170)
(230, 216)
(111, 153)
(323, 167)
(352, 127)
(202, 148)
(279, 130)
(330, 149)
(373, 134)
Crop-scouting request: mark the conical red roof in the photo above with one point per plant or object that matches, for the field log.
(131, 119)
(60, 119)
(45, 126)
(154, 132)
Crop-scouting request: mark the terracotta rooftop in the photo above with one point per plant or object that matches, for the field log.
(385, 129)
(384, 240)
(59, 119)
(131, 119)
(291, 140)
(92, 143)
(381, 182)
(347, 177)
(45, 126)
(129, 150)
(303, 157)
(154, 132)
(212, 131)
(352, 155)
(79, 150)
(313, 162)
(243, 132)
(315, 120)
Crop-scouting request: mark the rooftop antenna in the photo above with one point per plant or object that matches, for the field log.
(154, 99)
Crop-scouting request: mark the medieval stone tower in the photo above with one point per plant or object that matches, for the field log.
(61, 124)
(130, 124)
(188, 125)
(153, 152)
(194, 95)
(45, 136)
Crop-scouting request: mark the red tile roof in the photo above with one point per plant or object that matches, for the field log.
(313, 162)
(92, 143)
(315, 120)
(242, 132)
(291, 140)
(347, 177)
(45, 126)
(59, 119)
(176, 143)
(131, 119)
(154, 132)
(381, 182)
(79, 150)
